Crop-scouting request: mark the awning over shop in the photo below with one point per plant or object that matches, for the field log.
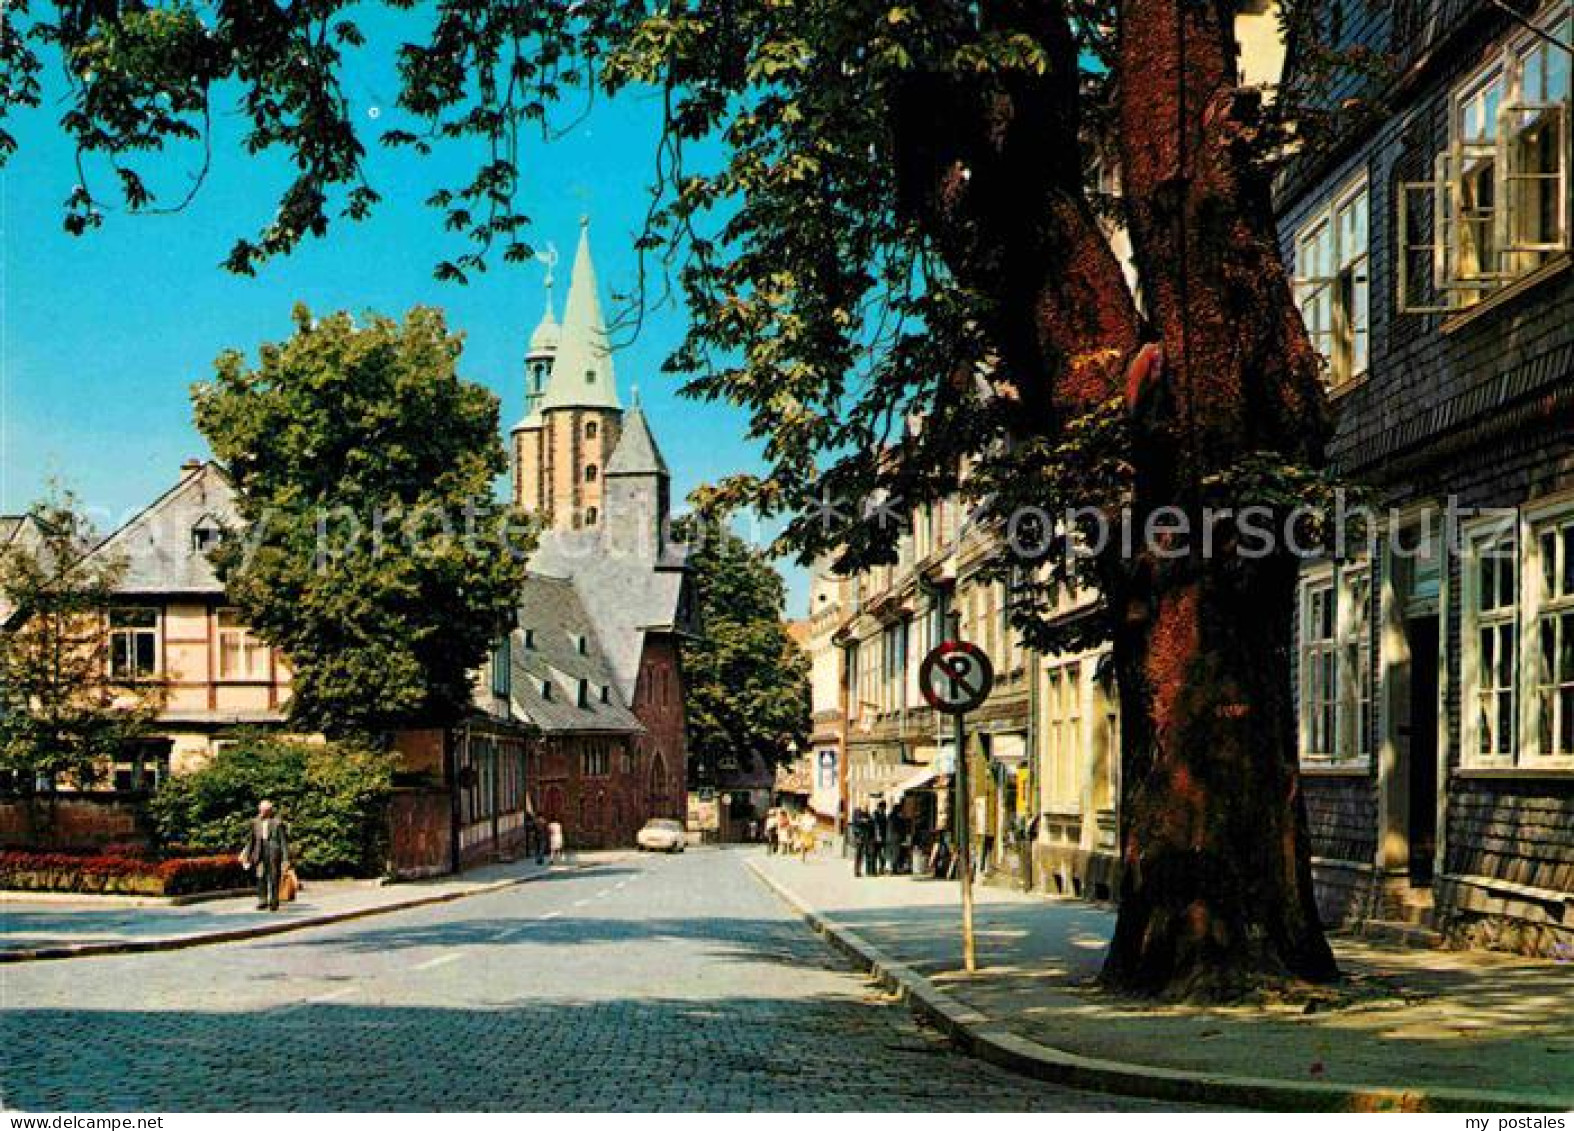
(922, 778)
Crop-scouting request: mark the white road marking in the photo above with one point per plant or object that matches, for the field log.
(319, 999)
(440, 960)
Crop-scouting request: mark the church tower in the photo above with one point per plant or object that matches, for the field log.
(573, 420)
(529, 453)
(639, 489)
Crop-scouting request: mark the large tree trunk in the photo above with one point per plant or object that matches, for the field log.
(1216, 890)
(1216, 894)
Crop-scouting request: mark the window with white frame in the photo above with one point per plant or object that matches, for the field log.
(1063, 736)
(1332, 283)
(1335, 664)
(1496, 206)
(241, 654)
(1319, 662)
(1551, 576)
(1489, 656)
(133, 643)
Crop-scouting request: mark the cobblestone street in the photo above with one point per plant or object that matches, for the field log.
(644, 983)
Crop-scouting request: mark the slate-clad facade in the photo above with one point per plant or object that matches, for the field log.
(1435, 670)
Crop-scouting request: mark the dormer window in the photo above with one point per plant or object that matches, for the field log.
(584, 693)
(582, 644)
(206, 535)
(546, 689)
(606, 693)
(530, 639)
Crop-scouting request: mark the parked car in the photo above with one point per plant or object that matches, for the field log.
(662, 834)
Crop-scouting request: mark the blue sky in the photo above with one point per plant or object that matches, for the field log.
(102, 336)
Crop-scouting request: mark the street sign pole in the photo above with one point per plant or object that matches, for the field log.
(964, 845)
(955, 678)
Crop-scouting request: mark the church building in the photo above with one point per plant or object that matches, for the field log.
(593, 660)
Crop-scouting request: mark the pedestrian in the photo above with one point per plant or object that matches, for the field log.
(880, 828)
(556, 841)
(784, 832)
(268, 851)
(768, 831)
(858, 834)
(808, 831)
(538, 825)
(895, 841)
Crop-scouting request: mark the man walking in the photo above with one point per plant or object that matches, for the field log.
(895, 841)
(879, 830)
(268, 851)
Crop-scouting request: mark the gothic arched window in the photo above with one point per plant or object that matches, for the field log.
(590, 516)
(590, 430)
(591, 472)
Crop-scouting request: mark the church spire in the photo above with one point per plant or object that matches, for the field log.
(582, 375)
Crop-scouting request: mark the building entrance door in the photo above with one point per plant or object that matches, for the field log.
(1421, 771)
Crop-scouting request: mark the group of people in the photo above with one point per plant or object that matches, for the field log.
(881, 841)
(786, 835)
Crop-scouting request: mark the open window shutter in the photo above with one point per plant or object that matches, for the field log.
(1527, 172)
(1426, 238)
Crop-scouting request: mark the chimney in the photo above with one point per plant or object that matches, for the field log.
(190, 465)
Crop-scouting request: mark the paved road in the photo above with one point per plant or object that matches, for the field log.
(674, 983)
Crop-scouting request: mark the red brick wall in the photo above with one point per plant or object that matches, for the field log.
(81, 821)
(419, 833)
(606, 810)
(663, 749)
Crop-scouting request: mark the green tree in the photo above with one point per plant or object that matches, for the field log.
(374, 553)
(746, 679)
(890, 218)
(67, 709)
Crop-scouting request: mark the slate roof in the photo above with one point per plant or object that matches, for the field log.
(636, 453)
(20, 533)
(628, 595)
(161, 557)
(556, 641)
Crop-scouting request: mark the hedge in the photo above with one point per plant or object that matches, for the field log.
(119, 875)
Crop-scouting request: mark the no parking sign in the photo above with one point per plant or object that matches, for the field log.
(955, 677)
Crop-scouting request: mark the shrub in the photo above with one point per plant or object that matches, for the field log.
(333, 798)
(120, 875)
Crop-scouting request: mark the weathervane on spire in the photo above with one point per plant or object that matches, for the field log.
(548, 257)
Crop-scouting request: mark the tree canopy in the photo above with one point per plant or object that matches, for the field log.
(373, 553)
(746, 680)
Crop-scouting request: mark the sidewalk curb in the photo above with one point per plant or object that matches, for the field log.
(990, 1040)
(240, 934)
